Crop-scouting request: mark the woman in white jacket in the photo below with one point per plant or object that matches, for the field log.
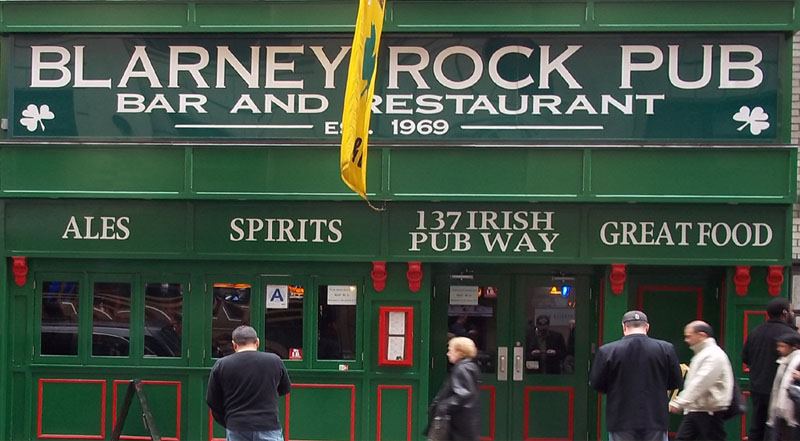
(782, 423)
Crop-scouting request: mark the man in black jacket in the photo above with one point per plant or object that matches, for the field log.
(760, 355)
(243, 390)
(635, 373)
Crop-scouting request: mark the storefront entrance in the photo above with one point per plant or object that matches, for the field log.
(527, 329)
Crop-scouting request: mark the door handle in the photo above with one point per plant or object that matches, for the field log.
(518, 363)
(502, 363)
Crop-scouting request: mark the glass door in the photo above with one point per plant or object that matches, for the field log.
(549, 357)
(477, 307)
(532, 334)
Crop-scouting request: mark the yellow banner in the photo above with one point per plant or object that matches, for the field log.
(358, 96)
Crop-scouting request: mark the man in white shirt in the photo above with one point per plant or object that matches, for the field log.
(708, 387)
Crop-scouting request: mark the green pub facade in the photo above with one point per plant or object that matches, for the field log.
(169, 171)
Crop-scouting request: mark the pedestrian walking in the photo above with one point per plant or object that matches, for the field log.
(759, 355)
(782, 422)
(243, 390)
(636, 373)
(458, 399)
(707, 389)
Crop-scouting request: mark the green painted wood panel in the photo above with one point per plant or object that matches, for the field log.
(276, 16)
(700, 14)
(294, 171)
(164, 401)
(402, 15)
(488, 15)
(333, 412)
(106, 16)
(548, 413)
(395, 413)
(665, 174)
(677, 175)
(106, 171)
(497, 173)
(72, 407)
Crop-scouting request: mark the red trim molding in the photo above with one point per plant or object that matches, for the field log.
(492, 412)
(211, 428)
(351, 387)
(409, 408)
(42, 381)
(743, 418)
(177, 385)
(570, 391)
(384, 335)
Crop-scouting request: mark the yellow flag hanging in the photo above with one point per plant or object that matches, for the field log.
(358, 96)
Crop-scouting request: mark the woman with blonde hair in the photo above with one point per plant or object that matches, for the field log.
(458, 399)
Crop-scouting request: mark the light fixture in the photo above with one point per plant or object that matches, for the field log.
(562, 286)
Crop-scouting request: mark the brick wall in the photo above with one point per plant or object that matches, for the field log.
(796, 138)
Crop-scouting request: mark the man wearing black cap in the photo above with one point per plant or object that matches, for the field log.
(635, 373)
(243, 390)
(759, 355)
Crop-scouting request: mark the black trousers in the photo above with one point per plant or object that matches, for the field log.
(701, 426)
(758, 424)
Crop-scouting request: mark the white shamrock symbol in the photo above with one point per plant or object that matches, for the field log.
(34, 116)
(756, 119)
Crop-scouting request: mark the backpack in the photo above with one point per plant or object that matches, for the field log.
(738, 404)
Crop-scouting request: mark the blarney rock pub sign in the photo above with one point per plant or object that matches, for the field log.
(430, 87)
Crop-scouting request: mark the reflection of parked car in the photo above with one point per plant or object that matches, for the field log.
(110, 341)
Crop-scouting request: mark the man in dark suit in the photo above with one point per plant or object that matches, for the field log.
(760, 355)
(545, 348)
(635, 373)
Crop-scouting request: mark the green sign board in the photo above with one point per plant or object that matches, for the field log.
(704, 232)
(509, 232)
(477, 88)
(288, 229)
(96, 227)
(469, 231)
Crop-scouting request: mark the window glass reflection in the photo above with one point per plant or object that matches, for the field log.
(111, 313)
(550, 331)
(230, 309)
(336, 321)
(477, 321)
(59, 333)
(283, 321)
(163, 319)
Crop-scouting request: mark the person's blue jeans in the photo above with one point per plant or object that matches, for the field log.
(258, 435)
(638, 435)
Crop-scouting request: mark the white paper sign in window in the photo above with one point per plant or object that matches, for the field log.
(342, 295)
(397, 348)
(464, 295)
(277, 297)
(397, 323)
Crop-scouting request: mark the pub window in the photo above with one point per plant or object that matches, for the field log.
(163, 319)
(230, 309)
(283, 321)
(111, 313)
(60, 306)
(336, 321)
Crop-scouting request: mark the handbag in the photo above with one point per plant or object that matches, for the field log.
(439, 429)
(738, 404)
(794, 393)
